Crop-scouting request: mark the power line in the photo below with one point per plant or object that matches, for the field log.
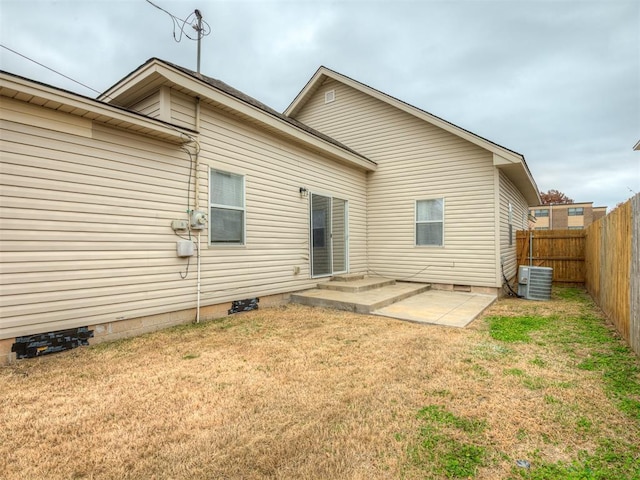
(51, 69)
(193, 20)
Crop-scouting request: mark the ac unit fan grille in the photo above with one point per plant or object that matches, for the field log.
(534, 283)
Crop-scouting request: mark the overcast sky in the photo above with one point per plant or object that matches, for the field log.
(558, 81)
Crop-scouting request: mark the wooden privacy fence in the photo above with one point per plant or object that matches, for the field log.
(605, 256)
(562, 250)
(613, 268)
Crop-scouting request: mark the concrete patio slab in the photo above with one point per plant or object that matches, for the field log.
(453, 309)
(359, 301)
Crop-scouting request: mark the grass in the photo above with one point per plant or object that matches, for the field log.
(439, 452)
(308, 393)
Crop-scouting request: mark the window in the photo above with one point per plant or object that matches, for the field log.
(430, 222)
(577, 227)
(576, 211)
(542, 212)
(226, 209)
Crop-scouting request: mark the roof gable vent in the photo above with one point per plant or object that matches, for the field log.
(329, 96)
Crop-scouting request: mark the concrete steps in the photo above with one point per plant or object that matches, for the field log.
(358, 293)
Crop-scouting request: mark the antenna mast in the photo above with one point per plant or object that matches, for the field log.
(199, 30)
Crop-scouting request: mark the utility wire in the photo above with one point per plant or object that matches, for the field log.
(51, 69)
(179, 24)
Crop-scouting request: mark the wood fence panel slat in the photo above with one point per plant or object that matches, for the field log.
(613, 268)
(605, 256)
(562, 250)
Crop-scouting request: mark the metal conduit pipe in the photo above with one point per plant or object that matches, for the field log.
(197, 204)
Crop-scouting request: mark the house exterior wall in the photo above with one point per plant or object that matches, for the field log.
(168, 105)
(85, 225)
(277, 216)
(182, 108)
(86, 213)
(416, 160)
(149, 105)
(510, 195)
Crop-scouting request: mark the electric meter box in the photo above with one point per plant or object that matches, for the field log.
(179, 225)
(198, 220)
(184, 248)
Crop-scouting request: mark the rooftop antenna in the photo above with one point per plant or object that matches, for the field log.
(200, 35)
(201, 27)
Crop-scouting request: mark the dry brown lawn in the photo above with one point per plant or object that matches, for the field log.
(295, 393)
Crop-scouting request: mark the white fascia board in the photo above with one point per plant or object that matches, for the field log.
(314, 82)
(520, 176)
(124, 85)
(80, 103)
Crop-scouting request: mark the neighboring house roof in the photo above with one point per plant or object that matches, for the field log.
(512, 163)
(156, 72)
(47, 96)
(637, 146)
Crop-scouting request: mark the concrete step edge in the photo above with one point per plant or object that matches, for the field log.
(354, 306)
(345, 287)
(402, 296)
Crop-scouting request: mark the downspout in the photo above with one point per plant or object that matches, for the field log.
(197, 202)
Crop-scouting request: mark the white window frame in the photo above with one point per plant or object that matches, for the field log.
(243, 209)
(416, 222)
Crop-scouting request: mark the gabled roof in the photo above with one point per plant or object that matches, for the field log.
(511, 162)
(157, 72)
(43, 95)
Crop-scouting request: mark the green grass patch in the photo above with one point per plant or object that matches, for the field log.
(445, 445)
(435, 414)
(572, 293)
(516, 329)
(586, 337)
(534, 383)
(618, 366)
(538, 362)
(611, 460)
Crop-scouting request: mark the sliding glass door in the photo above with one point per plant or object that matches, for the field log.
(329, 236)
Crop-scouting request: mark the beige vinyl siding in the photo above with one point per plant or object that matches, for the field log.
(168, 105)
(509, 194)
(416, 160)
(183, 110)
(86, 212)
(150, 105)
(277, 217)
(85, 228)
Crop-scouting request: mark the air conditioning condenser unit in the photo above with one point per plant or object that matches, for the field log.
(534, 283)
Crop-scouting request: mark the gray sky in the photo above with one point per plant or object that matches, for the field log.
(558, 81)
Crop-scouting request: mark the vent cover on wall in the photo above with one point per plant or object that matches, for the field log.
(329, 96)
(534, 283)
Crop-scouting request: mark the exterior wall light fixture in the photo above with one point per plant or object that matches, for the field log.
(304, 192)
